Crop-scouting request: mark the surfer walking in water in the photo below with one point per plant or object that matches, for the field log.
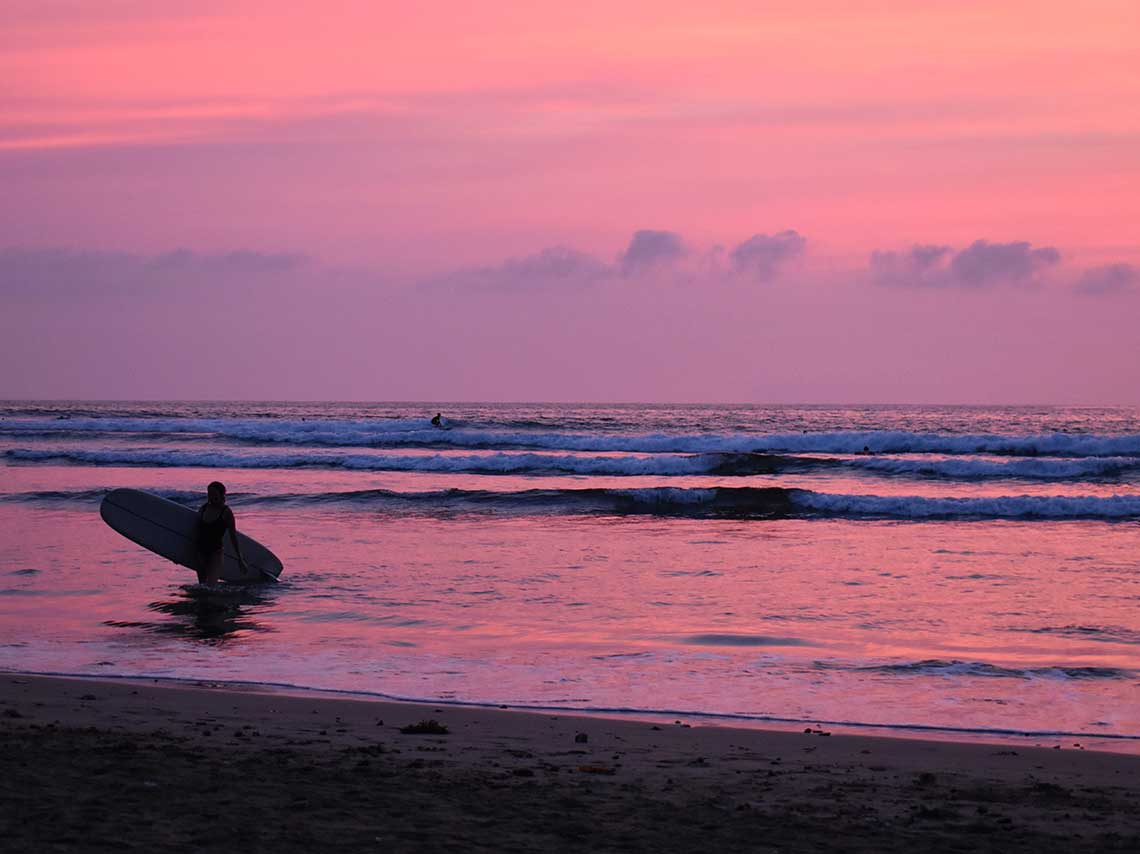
(214, 519)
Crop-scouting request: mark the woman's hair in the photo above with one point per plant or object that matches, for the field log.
(218, 485)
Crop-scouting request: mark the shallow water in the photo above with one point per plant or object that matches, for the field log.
(975, 575)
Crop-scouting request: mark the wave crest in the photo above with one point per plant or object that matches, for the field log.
(711, 502)
(414, 433)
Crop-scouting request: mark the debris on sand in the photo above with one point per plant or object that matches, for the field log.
(596, 769)
(427, 727)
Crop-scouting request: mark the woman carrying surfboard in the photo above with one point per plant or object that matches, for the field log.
(214, 519)
(173, 531)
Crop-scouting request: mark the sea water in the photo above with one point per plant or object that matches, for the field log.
(960, 572)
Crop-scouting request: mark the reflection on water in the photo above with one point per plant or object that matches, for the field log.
(212, 614)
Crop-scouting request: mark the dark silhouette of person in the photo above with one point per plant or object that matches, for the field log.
(437, 421)
(214, 520)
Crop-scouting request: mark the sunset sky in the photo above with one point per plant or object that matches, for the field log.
(811, 201)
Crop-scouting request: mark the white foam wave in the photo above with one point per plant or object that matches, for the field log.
(415, 433)
(1021, 468)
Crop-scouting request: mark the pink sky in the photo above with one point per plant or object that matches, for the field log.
(355, 200)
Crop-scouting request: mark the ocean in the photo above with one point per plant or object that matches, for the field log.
(950, 572)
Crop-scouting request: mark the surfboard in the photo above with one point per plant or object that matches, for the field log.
(170, 530)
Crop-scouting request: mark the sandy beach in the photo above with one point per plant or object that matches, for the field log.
(137, 765)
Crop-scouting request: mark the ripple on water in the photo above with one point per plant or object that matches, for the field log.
(742, 640)
(1100, 634)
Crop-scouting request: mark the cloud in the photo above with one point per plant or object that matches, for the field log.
(980, 265)
(915, 266)
(77, 272)
(553, 266)
(41, 270)
(557, 263)
(649, 250)
(1109, 279)
(761, 256)
(241, 261)
(985, 263)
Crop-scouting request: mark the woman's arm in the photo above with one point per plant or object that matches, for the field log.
(234, 540)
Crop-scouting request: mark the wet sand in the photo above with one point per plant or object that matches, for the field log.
(88, 765)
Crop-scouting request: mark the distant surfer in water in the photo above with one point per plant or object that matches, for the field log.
(214, 519)
(437, 421)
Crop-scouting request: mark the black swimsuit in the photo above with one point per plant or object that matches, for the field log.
(211, 534)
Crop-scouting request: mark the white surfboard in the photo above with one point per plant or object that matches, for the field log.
(170, 530)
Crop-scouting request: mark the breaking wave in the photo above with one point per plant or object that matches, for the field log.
(723, 464)
(393, 433)
(1016, 469)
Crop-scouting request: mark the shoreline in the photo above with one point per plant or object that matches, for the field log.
(188, 765)
(1112, 743)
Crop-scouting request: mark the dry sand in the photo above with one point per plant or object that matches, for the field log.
(98, 765)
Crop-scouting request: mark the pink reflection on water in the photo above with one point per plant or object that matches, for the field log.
(995, 625)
